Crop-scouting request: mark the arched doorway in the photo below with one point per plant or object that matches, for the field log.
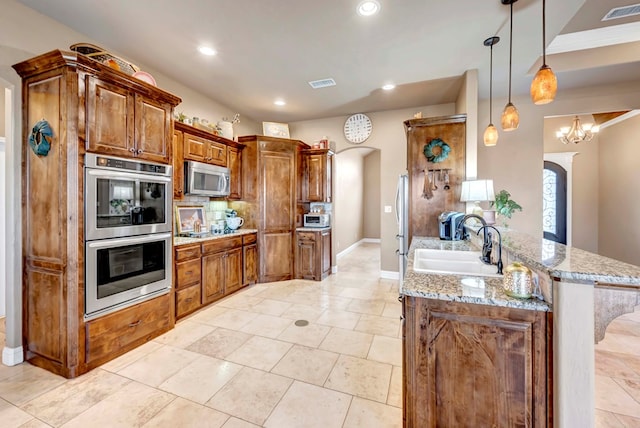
(356, 205)
(554, 202)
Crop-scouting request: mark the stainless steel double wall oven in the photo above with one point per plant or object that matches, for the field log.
(128, 238)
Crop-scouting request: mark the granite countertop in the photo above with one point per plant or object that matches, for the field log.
(312, 229)
(183, 240)
(450, 287)
(568, 264)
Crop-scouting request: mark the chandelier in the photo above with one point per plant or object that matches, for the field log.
(577, 133)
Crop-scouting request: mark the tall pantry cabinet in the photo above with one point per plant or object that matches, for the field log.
(89, 107)
(270, 184)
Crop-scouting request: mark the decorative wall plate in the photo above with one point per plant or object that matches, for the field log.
(357, 128)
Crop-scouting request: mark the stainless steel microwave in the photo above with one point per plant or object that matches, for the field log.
(206, 180)
(317, 220)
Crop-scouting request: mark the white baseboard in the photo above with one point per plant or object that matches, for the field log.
(347, 250)
(355, 245)
(370, 240)
(389, 274)
(12, 356)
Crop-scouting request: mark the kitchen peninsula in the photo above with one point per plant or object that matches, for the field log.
(482, 358)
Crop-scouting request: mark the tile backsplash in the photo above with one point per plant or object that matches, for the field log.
(214, 210)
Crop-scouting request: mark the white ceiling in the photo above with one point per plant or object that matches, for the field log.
(270, 49)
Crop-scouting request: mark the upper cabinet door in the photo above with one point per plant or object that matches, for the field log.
(109, 118)
(234, 163)
(195, 148)
(317, 176)
(153, 128)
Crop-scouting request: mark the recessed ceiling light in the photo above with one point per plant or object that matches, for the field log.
(206, 50)
(368, 7)
(279, 102)
(388, 86)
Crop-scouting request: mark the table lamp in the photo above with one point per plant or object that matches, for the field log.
(478, 191)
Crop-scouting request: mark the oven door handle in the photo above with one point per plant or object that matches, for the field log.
(101, 173)
(118, 242)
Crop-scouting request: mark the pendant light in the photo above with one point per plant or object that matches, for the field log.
(544, 85)
(510, 116)
(491, 133)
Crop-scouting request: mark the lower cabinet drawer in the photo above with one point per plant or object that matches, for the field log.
(113, 334)
(187, 300)
(188, 272)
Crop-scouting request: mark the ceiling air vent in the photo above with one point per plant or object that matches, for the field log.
(622, 12)
(322, 83)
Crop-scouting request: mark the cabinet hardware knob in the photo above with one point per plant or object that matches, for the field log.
(132, 150)
(135, 324)
(188, 300)
(190, 272)
(139, 151)
(400, 298)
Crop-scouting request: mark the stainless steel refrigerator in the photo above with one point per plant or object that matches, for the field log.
(402, 217)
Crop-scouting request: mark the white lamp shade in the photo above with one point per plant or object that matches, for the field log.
(477, 190)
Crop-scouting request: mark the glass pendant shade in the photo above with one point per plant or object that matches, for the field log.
(510, 118)
(544, 86)
(490, 136)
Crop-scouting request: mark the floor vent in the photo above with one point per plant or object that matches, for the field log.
(322, 83)
(622, 12)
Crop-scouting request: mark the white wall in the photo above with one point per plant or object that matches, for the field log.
(348, 207)
(619, 197)
(372, 210)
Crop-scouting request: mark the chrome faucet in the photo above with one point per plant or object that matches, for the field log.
(486, 241)
(499, 263)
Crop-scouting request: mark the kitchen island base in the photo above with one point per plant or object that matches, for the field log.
(470, 365)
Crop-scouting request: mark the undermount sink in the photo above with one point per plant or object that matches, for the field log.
(452, 262)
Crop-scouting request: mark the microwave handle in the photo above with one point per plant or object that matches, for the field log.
(224, 184)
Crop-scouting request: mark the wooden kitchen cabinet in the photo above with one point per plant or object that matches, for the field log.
(116, 333)
(90, 107)
(204, 150)
(221, 268)
(313, 254)
(178, 165)
(234, 163)
(318, 167)
(207, 271)
(188, 279)
(124, 123)
(472, 365)
(251, 260)
(270, 180)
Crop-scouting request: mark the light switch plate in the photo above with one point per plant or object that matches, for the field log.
(387, 208)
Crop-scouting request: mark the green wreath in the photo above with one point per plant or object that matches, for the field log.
(443, 152)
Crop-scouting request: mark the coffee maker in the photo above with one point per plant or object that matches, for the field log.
(448, 223)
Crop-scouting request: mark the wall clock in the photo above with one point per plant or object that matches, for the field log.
(357, 128)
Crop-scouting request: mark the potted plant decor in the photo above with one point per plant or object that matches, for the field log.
(505, 206)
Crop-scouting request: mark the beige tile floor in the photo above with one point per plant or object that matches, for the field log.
(243, 363)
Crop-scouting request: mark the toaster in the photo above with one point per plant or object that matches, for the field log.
(448, 223)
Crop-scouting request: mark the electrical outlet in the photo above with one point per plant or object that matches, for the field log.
(387, 208)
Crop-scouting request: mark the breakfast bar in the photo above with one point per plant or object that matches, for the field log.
(533, 357)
